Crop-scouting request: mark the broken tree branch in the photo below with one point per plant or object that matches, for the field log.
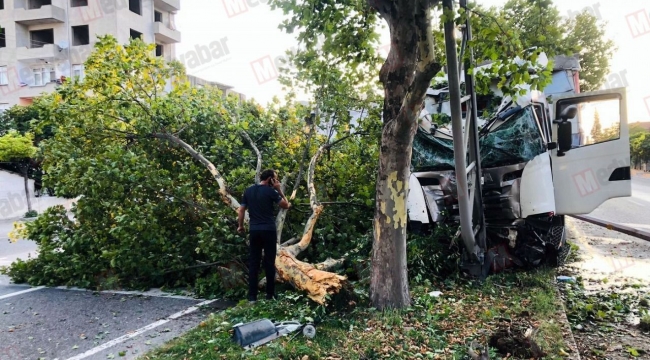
(258, 169)
(282, 215)
(330, 264)
(225, 196)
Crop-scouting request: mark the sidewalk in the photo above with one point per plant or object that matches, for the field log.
(13, 202)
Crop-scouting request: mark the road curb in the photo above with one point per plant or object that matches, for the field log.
(571, 341)
(644, 235)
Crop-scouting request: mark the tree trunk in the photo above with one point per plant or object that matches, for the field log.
(405, 75)
(389, 280)
(25, 171)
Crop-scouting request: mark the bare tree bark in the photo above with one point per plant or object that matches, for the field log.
(282, 215)
(405, 75)
(258, 169)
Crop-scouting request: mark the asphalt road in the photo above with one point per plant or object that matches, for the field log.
(58, 324)
(631, 211)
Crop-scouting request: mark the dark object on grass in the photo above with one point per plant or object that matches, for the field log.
(260, 332)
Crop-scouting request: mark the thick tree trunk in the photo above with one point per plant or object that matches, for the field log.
(406, 75)
(389, 280)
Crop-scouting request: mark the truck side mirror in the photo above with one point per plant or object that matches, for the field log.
(569, 113)
(564, 137)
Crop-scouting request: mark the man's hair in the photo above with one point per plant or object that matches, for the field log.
(266, 174)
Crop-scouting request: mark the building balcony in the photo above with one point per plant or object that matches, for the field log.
(46, 14)
(168, 5)
(48, 52)
(30, 92)
(165, 35)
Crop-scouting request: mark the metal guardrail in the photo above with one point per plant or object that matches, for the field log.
(645, 235)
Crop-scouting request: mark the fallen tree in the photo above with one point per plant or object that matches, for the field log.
(150, 215)
(316, 280)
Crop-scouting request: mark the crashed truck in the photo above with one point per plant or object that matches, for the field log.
(541, 158)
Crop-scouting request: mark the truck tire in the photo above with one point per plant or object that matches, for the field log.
(558, 249)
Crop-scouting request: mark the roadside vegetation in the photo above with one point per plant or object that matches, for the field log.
(510, 315)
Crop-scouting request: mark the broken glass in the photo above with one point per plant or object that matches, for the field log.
(432, 153)
(516, 140)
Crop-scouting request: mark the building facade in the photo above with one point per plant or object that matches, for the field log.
(227, 90)
(42, 42)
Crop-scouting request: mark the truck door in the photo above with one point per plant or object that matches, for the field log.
(597, 167)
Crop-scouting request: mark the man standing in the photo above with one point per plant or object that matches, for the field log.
(258, 200)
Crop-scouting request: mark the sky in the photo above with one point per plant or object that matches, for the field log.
(238, 43)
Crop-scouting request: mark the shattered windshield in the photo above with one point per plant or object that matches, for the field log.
(515, 141)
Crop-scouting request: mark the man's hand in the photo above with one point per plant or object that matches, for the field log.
(277, 186)
(240, 229)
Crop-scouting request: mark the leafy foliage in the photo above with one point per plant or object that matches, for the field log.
(16, 147)
(147, 214)
(535, 26)
(639, 146)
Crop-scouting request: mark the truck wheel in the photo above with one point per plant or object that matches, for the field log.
(558, 250)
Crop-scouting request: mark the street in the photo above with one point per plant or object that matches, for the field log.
(75, 324)
(631, 211)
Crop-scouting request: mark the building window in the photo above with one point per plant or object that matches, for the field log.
(4, 78)
(160, 50)
(38, 38)
(2, 4)
(78, 71)
(135, 6)
(43, 75)
(36, 4)
(80, 35)
(135, 34)
(77, 3)
(3, 39)
(157, 16)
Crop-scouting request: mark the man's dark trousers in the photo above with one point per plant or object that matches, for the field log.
(262, 240)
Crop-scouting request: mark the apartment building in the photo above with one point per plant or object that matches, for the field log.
(227, 90)
(43, 42)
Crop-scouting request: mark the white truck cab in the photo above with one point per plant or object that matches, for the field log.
(541, 158)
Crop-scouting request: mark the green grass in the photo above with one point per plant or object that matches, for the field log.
(437, 328)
